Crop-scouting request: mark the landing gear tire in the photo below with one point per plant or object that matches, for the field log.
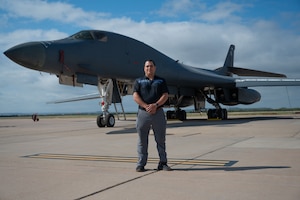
(171, 114)
(110, 120)
(225, 114)
(100, 121)
(217, 114)
(178, 114)
(181, 114)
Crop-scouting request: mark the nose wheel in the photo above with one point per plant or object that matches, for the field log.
(105, 87)
(106, 120)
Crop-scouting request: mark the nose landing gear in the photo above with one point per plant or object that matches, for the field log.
(105, 88)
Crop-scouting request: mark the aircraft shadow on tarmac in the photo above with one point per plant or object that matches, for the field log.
(123, 131)
(205, 122)
(247, 168)
(232, 121)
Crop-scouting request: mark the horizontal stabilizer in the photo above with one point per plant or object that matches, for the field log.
(263, 82)
(250, 72)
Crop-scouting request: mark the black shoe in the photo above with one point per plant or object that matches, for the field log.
(140, 169)
(164, 167)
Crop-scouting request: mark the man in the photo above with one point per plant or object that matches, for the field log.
(150, 93)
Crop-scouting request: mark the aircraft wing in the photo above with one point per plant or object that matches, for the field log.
(261, 82)
(79, 98)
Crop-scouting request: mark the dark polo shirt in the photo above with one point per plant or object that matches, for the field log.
(150, 90)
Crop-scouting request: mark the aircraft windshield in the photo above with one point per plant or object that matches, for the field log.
(100, 36)
(90, 35)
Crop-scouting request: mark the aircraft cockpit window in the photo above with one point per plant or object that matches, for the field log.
(83, 35)
(90, 35)
(100, 36)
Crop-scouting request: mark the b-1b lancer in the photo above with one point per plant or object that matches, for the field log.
(112, 62)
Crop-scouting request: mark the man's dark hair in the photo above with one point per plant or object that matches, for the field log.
(150, 60)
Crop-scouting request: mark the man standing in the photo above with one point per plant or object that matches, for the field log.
(150, 93)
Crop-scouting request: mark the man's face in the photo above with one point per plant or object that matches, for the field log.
(149, 69)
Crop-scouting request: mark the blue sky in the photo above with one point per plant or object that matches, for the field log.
(266, 34)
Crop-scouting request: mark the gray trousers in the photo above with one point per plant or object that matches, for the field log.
(144, 123)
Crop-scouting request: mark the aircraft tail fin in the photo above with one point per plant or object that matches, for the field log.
(228, 62)
(230, 57)
(228, 69)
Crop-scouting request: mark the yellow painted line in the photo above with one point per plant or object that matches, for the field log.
(132, 159)
(86, 158)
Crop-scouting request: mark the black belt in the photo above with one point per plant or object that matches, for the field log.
(142, 108)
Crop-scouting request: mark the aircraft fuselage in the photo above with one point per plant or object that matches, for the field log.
(109, 55)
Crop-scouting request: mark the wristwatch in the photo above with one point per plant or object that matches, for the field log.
(156, 105)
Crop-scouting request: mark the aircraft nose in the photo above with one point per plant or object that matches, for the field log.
(30, 55)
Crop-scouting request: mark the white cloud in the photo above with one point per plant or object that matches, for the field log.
(173, 8)
(222, 11)
(18, 36)
(43, 10)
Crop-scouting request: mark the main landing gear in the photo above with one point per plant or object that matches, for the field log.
(176, 114)
(217, 113)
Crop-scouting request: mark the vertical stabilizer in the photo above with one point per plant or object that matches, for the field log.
(228, 62)
(230, 56)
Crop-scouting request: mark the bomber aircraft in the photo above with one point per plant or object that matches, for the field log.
(112, 62)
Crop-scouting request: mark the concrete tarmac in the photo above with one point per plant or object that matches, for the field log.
(245, 157)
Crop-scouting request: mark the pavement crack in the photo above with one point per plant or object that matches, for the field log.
(223, 147)
(116, 185)
(191, 134)
(296, 134)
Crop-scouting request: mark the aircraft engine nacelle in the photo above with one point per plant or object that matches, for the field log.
(237, 96)
(182, 101)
